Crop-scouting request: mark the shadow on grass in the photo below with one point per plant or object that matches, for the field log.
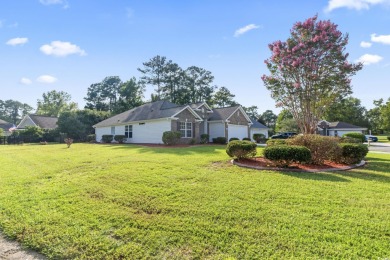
(315, 176)
(203, 149)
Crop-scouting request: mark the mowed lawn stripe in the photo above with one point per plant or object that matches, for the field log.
(110, 201)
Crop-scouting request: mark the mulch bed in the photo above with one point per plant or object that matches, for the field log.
(261, 163)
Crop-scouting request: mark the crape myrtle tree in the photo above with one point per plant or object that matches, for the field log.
(309, 71)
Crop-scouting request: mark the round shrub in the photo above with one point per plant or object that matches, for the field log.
(204, 138)
(107, 138)
(284, 155)
(241, 149)
(233, 139)
(246, 139)
(171, 137)
(259, 138)
(352, 153)
(91, 138)
(119, 138)
(358, 136)
(321, 147)
(219, 140)
(272, 142)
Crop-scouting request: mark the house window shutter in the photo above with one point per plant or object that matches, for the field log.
(178, 126)
(193, 130)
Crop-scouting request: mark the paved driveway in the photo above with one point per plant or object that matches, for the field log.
(379, 147)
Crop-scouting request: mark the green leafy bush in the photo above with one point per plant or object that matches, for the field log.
(284, 155)
(352, 153)
(91, 138)
(349, 140)
(204, 138)
(388, 138)
(246, 139)
(119, 138)
(259, 138)
(234, 139)
(241, 149)
(171, 137)
(321, 147)
(192, 141)
(272, 142)
(358, 136)
(219, 140)
(31, 134)
(107, 138)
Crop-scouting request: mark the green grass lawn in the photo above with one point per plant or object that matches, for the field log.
(127, 201)
(383, 138)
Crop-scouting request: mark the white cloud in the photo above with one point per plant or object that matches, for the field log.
(46, 79)
(61, 49)
(368, 59)
(364, 44)
(25, 81)
(64, 3)
(245, 29)
(353, 4)
(384, 39)
(17, 41)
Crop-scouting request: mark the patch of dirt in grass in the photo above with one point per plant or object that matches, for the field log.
(263, 163)
(13, 250)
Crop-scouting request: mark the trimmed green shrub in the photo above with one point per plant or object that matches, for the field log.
(192, 141)
(119, 138)
(352, 153)
(234, 139)
(219, 140)
(284, 155)
(171, 137)
(107, 138)
(204, 138)
(272, 142)
(359, 136)
(259, 138)
(388, 138)
(241, 149)
(91, 138)
(246, 139)
(349, 140)
(321, 147)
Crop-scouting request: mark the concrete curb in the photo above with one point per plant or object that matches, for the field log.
(345, 168)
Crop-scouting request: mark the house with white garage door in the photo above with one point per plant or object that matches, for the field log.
(147, 123)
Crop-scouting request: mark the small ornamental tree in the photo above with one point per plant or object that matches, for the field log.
(309, 71)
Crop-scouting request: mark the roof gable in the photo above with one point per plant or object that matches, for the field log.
(44, 122)
(257, 124)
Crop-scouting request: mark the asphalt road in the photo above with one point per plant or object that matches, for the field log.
(379, 147)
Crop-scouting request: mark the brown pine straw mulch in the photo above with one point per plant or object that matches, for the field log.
(261, 163)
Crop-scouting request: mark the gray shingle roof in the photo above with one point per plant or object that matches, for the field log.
(256, 124)
(148, 111)
(343, 125)
(5, 125)
(44, 122)
(222, 113)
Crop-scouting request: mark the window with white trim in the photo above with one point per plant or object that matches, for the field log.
(129, 131)
(186, 129)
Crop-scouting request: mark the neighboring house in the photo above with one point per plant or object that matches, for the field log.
(338, 128)
(147, 123)
(6, 127)
(258, 128)
(44, 122)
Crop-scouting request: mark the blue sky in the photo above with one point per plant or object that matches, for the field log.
(69, 44)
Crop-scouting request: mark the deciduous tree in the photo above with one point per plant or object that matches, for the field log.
(309, 71)
(53, 103)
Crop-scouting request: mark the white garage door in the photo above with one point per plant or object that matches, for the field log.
(238, 131)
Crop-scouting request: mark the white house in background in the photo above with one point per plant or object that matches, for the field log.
(147, 123)
(44, 122)
(338, 128)
(6, 126)
(258, 128)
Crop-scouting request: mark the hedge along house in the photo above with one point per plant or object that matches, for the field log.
(338, 128)
(147, 123)
(44, 122)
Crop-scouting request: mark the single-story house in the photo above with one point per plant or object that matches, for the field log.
(44, 122)
(338, 128)
(6, 126)
(147, 123)
(258, 128)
